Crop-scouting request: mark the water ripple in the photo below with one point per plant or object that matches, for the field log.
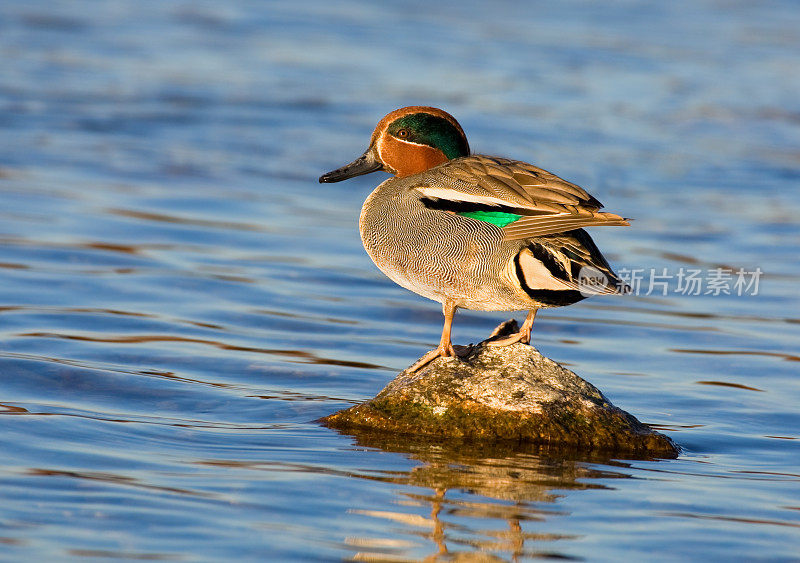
(300, 356)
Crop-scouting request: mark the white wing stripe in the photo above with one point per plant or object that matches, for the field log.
(456, 195)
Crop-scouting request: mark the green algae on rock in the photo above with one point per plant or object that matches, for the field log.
(510, 393)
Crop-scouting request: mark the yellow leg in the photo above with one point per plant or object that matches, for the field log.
(527, 327)
(446, 344)
(524, 334)
(445, 347)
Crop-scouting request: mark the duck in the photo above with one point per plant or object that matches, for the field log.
(473, 231)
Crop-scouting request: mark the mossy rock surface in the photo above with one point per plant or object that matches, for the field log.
(510, 393)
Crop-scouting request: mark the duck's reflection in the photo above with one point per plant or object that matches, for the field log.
(472, 486)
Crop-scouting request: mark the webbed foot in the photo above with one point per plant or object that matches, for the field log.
(443, 351)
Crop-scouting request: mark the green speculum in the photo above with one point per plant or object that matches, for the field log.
(498, 218)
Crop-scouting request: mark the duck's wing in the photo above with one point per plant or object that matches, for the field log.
(573, 259)
(522, 199)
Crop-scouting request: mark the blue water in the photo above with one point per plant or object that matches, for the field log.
(181, 299)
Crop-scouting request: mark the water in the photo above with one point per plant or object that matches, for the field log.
(181, 300)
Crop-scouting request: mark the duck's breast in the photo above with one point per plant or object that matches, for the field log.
(437, 254)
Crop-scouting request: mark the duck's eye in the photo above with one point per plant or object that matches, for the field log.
(402, 133)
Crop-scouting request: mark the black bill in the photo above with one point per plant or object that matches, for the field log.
(364, 164)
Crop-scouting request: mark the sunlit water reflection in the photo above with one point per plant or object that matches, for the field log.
(181, 299)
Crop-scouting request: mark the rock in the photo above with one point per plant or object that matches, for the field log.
(509, 393)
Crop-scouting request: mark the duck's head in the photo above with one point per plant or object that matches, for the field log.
(407, 141)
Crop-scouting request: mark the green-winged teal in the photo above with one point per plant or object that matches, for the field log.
(475, 231)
